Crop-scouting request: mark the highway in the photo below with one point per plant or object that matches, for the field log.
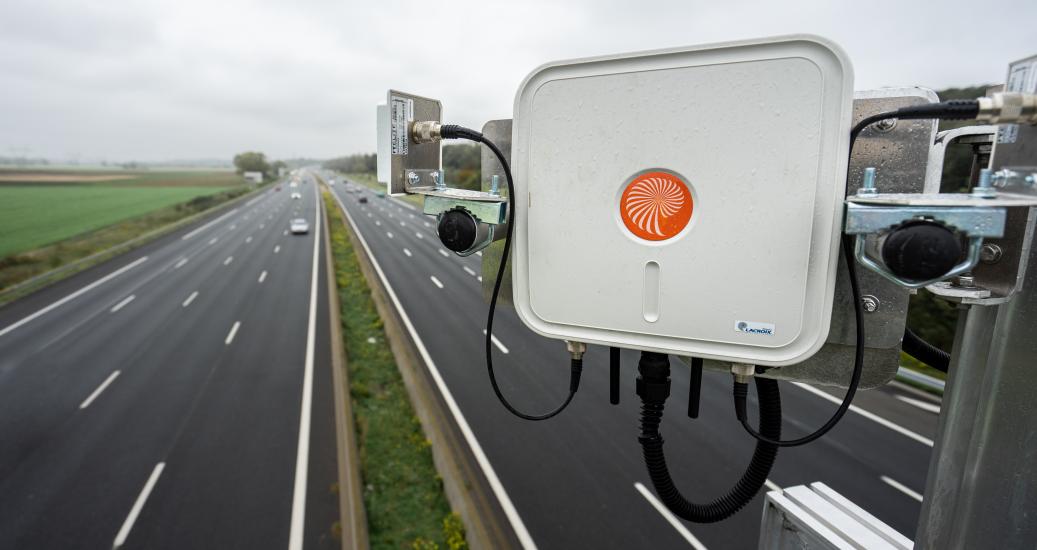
(578, 480)
(159, 400)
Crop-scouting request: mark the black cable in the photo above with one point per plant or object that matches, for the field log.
(653, 387)
(450, 131)
(925, 352)
(947, 110)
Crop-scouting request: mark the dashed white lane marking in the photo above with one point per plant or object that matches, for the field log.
(435, 281)
(123, 303)
(407, 252)
(428, 224)
(213, 240)
(420, 236)
(388, 234)
(232, 333)
(111, 378)
(479, 278)
(262, 276)
(901, 487)
(262, 225)
(228, 260)
(248, 239)
(285, 232)
(233, 227)
(124, 532)
(402, 224)
(208, 225)
(180, 263)
(496, 342)
(869, 415)
(189, 299)
(669, 517)
(444, 253)
(277, 249)
(376, 222)
(924, 405)
(411, 216)
(478, 253)
(470, 271)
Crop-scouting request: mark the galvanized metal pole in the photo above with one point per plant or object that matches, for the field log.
(982, 485)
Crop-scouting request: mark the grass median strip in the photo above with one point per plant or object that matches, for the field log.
(403, 494)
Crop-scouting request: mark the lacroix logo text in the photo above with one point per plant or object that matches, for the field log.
(656, 206)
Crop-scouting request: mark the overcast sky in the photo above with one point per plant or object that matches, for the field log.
(155, 80)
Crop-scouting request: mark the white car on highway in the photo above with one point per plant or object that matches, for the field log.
(299, 226)
(296, 195)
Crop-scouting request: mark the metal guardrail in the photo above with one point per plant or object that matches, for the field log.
(934, 384)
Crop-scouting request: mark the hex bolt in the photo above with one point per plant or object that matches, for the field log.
(413, 178)
(885, 125)
(984, 188)
(870, 303)
(495, 185)
(990, 254)
(965, 281)
(437, 178)
(868, 183)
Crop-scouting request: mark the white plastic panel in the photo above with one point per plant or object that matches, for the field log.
(757, 133)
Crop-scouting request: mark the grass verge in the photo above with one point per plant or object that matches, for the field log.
(18, 268)
(403, 494)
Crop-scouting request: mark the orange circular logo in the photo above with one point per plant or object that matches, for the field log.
(656, 206)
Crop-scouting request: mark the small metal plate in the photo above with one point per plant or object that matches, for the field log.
(404, 109)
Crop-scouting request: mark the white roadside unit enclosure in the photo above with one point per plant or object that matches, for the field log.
(684, 201)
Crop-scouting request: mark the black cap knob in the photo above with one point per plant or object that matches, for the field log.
(457, 230)
(921, 250)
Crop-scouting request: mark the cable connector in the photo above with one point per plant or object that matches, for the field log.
(576, 349)
(426, 131)
(1008, 107)
(742, 372)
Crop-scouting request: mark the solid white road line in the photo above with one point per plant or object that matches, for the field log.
(277, 249)
(74, 295)
(180, 263)
(121, 304)
(124, 532)
(262, 276)
(208, 225)
(470, 271)
(436, 281)
(444, 253)
(669, 517)
(407, 252)
(869, 415)
(388, 234)
(232, 333)
(111, 378)
(462, 423)
(228, 260)
(496, 342)
(302, 455)
(924, 405)
(189, 299)
(214, 240)
(901, 487)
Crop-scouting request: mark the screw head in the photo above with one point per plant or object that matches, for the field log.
(413, 178)
(990, 254)
(870, 303)
(885, 125)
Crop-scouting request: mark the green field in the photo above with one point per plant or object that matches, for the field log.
(40, 213)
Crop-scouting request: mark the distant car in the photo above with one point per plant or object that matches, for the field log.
(296, 195)
(278, 188)
(299, 226)
(381, 194)
(363, 200)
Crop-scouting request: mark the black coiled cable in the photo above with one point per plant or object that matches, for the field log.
(653, 387)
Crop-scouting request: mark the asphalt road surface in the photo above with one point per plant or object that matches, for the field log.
(157, 400)
(578, 480)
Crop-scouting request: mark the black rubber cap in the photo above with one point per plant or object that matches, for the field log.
(921, 250)
(457, 230)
